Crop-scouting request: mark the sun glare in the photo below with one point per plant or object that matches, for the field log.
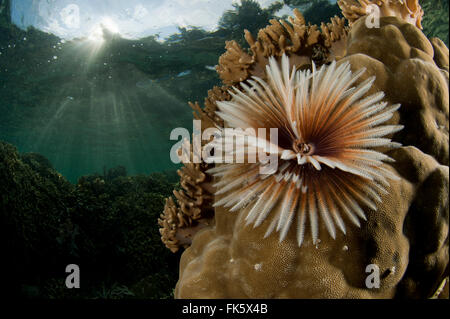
(96, 35)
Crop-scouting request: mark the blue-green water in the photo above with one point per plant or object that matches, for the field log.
(112, 98)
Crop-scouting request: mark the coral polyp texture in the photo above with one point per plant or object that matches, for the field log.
(324, 162)
(193, 209)
(406, 237)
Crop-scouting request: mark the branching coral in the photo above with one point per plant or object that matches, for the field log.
(208, 114)
(304, 43)
(179, 223)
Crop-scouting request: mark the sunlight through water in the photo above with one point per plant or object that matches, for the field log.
(97, 33)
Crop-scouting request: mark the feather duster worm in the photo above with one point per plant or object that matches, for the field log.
(326, 164)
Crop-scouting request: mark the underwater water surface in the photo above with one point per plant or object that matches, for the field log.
(100, 100)
(92, 86)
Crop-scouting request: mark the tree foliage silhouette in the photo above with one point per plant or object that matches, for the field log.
(315, 11)
(247, 15)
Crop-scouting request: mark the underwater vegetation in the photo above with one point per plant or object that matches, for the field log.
(105, 223)
(435, 22)
(232, 249)
(315, 11)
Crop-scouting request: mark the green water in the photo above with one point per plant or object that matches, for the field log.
(86, 106)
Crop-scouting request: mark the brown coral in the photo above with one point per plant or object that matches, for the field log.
(230, 260)
(208, 114)
(402, 59)
(407, 238)
(303, 43)
(193, 211)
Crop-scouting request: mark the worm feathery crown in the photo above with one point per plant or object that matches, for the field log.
(326, 165)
